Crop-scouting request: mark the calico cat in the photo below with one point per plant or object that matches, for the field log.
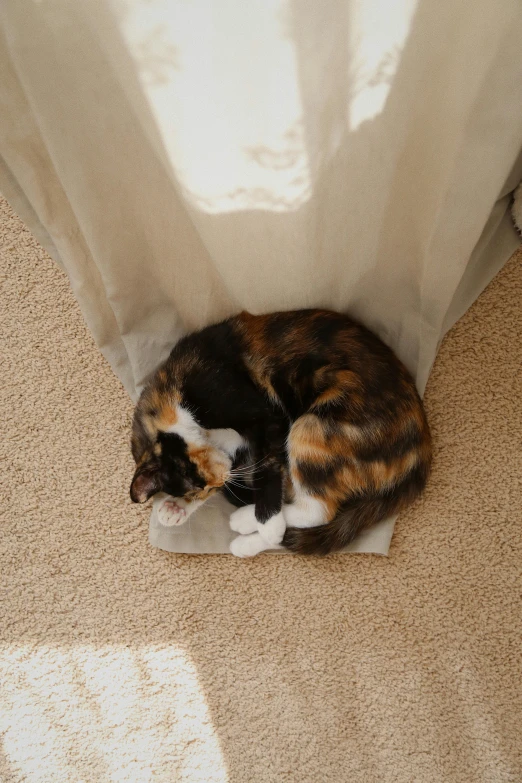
(306, 419)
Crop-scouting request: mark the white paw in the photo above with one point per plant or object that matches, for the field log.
(171, 514)
(244, 520)
(248, 546)
(273, 530)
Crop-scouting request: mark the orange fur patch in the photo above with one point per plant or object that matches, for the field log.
(382, 473)
(214, 475)
(166, 416)
(344, 381)
(307, 440)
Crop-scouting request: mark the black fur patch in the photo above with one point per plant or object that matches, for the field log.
(317, 476)
(386, 449)
(179, 473)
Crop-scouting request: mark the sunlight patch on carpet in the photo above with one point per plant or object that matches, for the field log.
(106, 713)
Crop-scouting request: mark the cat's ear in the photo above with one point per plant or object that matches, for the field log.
(146, 482)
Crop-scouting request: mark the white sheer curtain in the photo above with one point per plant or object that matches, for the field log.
(183, 159)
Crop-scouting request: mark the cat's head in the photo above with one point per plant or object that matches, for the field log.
(173, 453)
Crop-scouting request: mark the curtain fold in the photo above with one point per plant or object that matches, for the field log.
(183, 160)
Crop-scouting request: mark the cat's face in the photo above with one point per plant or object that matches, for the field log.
(179, 461)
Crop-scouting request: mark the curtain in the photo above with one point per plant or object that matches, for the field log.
(184, 159)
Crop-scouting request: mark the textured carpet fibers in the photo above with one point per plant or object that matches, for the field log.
(123, 663)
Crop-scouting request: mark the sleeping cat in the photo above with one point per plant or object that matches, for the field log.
(305, 419)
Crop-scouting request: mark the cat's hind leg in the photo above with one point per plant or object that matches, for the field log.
(314, 464)
(305, 511)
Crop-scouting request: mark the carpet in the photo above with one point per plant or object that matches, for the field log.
(119, 662)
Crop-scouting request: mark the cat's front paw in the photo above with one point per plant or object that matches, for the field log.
(171, 514)
(273, 530)
(247, 546)
(244, 520)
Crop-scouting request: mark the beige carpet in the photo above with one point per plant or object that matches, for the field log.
(124, 663)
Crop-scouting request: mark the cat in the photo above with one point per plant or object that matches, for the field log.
(305, 419)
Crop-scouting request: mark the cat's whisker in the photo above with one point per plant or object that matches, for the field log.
(243, 480)
(239, 486)
(248, 471)
(233, 493)
(253, 465)
(242, 476)
(237, 472)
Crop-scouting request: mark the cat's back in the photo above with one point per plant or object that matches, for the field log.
(294, 334)
(285, 337)
(325, 362)
(302, 343)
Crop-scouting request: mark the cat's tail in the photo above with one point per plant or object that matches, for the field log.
(356, 514)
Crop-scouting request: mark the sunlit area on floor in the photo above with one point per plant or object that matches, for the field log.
(106, 714)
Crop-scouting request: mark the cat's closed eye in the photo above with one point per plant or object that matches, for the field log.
(177, 465)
